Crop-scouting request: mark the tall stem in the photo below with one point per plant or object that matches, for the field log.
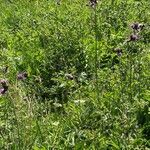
(96, 53)
(130, 61)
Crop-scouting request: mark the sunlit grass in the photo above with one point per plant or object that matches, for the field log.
(77, 75)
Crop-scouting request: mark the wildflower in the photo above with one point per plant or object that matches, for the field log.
(137, 26)
(93, 3)
(118, 51)
(4, 87)
(3, 82)
(133, 37)
(2, 91)
(22, 76)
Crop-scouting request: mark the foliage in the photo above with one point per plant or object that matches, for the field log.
(77, 74)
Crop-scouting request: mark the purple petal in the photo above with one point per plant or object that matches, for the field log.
(2, 91)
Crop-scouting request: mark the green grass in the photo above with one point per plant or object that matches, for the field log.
(80, 93)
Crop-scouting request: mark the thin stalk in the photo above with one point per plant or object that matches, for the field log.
(130, 78)
(120, 86)
(96, 53)
(139, 76)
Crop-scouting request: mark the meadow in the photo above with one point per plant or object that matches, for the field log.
(74, 75)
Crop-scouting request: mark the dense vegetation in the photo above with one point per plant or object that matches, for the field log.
(74, 74)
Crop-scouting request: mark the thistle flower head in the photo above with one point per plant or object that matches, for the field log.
(133, 37)
(4, 87)
(22, 76)
(2, 91)
(3, 82)
(118, 51)
(93, 3)
(25, 74)
(137, 26)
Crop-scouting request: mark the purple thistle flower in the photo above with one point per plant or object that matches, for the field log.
(93, 3)
(4, 87)
(133, 37)
(137, 26)
(3, 82)
(118, 51)
(22, 76)
(25, 74)
(2, 91)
